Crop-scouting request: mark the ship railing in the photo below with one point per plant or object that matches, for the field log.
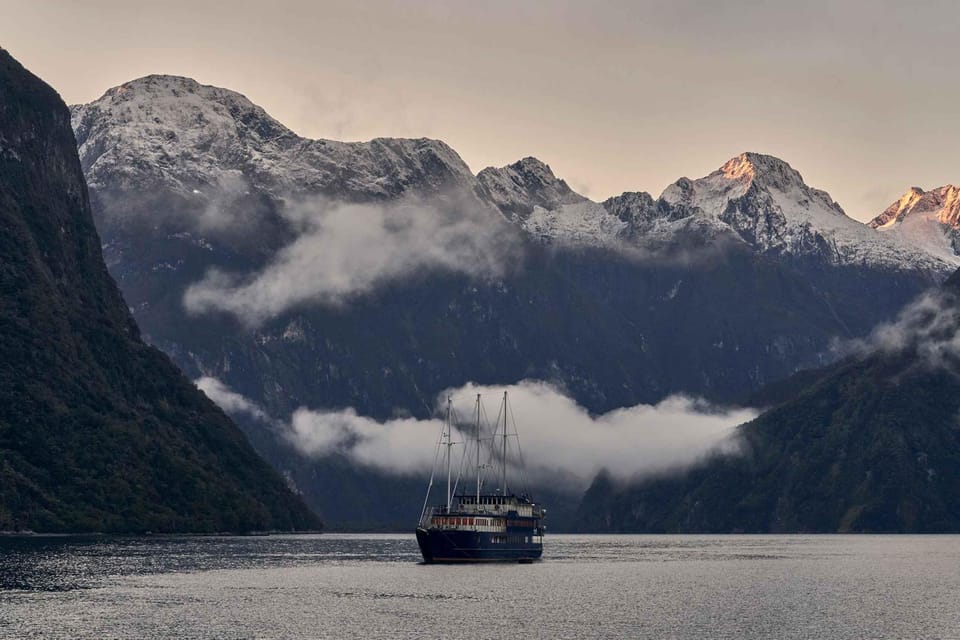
(431, 512)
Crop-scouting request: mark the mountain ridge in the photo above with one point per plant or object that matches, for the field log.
(204, 141)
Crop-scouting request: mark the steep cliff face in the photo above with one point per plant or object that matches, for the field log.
(98, 431)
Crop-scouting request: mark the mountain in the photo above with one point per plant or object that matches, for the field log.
(518, 189)
(928, 220)
(872, 446)
(98, 431)
(322, 274)
(192, 138)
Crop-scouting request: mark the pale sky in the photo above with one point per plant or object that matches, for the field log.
(862, 97)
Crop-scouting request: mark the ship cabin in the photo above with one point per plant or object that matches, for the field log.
(489, 513)
(498, 505)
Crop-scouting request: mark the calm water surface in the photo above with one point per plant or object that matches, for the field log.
(372, 586)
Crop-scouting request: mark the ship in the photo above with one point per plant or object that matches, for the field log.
(480, 525)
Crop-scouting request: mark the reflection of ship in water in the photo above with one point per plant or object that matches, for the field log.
(480, 526)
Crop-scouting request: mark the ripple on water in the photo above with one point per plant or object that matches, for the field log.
(374, 586)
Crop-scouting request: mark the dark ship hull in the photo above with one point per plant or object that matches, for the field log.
(444, 546)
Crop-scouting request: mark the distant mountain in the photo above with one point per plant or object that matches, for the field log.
(871, 446)
(521, 187)
(192, 138)
(717, 288)
(98, 431)
(766, 203)
(927, 220)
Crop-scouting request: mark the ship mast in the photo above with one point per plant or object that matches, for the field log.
(449, 444)
(478, 450)
(504, 482)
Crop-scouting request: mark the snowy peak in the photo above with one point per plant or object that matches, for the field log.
(157, 87)
(738, 176)
(766, 203)
(192, 138)
(519, 188)
(546, 208)
(176, 109)
(927, 220)
(770, 171)
(942, 205)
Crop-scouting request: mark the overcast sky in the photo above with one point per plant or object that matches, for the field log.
(861, 97)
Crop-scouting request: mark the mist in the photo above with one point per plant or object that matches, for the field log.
(929, 327)
(231, 401)
(343, 250)
(563, 445)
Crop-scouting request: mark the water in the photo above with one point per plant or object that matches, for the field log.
(372, 586)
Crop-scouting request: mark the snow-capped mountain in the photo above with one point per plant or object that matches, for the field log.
(529, 194)
(756, 199)
(928, 220)
(194, 139)
(521, 187)
(210, 146)
(765, 203)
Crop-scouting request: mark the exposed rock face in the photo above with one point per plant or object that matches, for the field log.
(98, 431)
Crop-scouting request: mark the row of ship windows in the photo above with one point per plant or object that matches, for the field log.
(466, 522)
(510, 539)
(488, 500)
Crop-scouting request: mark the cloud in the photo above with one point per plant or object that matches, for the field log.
(563, 445)
(928, 328)
(226, 206)
(400, 446)
(347, 249)
(231, 401)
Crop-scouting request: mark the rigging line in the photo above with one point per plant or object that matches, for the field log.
(463, 454)
(492, 452)
(433, 470)
(524, 478)
(484, 419)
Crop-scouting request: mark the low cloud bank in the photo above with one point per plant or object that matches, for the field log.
(343, 250)
(562, 443)
(929, 327)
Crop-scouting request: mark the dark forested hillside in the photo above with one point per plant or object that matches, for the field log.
(98, 431)
(872, 446)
